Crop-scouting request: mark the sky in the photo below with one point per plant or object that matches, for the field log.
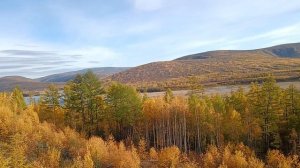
(42, 37)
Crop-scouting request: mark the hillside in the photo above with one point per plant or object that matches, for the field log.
(10, 82)
(217, 67)
(67, 76)
(285, 50)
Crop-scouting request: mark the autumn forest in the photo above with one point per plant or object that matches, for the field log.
(116, 126)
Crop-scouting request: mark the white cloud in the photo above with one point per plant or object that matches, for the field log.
(93, 56)
(34, 58)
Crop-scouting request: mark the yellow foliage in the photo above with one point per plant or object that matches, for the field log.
(50, 159)
(74, 143)
(236, 160)
(212, 158)
(122, 158)
(231, 156)
(86, 162)
(190, 165)
(255, 163)
(275, 159)
(142, 149)
(98, 150)
(169, 157)
(153, 154)
(4, 162)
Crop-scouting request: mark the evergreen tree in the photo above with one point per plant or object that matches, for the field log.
(83, 103)
(125, 106)
(269, 112)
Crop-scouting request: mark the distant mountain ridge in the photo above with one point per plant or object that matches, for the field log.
(285, 50)
(101, 72)
(8, 83)
(217, 67)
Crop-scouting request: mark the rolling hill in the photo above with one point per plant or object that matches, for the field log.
(217, 67)
(8, 83)
(67, 76)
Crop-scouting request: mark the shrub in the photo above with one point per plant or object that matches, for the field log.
(275, 159)
(153, 154)
(169, 157)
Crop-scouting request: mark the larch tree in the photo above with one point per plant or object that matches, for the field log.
(50, 109)
(125, 106)
(83, 98)
(18, 99)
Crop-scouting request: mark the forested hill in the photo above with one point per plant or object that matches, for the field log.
(218, 67)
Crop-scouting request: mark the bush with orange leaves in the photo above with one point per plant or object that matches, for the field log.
(112, 154)
(275, 159)
(169, 157)
(231, 156)
(153, 154)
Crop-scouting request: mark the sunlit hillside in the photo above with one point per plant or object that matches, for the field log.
(215, 67)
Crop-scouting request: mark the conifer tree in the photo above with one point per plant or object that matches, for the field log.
(18, 99)
(83, 98)
(125, 105)
(50, 109)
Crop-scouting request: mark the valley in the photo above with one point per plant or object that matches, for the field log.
(221, 89)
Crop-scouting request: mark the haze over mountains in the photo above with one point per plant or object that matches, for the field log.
(212, 67)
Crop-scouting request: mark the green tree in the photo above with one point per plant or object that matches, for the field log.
(125, 106)
(268, 111)
(84, 102)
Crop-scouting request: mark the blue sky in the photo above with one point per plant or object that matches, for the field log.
(42, 37)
